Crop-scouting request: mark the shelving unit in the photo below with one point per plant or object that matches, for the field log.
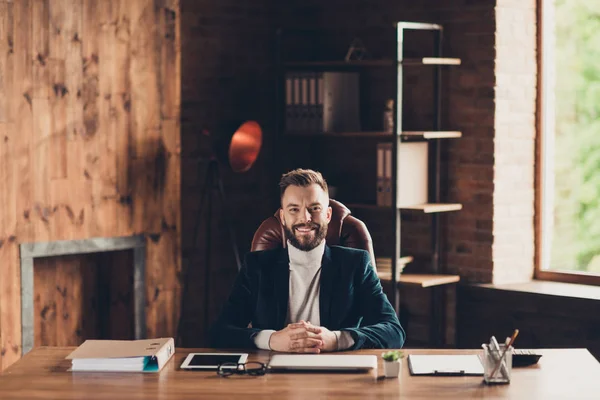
(435, 207)
(406, 136)
(374, 63)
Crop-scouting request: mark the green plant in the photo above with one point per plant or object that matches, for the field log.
(392, 355)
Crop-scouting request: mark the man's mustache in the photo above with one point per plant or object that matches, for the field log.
(315, 226)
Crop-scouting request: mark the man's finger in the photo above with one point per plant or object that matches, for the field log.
(304, 334)
(314, 329)
(309, 342)
(314, 350)
(297, 325)
(300, 335)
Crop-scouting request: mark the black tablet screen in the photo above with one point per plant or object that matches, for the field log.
(214, 359)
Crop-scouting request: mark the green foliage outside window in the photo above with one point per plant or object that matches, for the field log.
(576, 233)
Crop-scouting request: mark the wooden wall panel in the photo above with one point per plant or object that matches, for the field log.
(89, 125)
(90, 297)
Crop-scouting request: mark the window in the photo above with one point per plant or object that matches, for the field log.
(568, 163)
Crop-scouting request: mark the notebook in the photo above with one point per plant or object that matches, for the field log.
(446, 364)
(148, 355)
(322, 362)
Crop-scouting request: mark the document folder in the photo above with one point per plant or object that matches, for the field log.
(445, 365)
(149, 355)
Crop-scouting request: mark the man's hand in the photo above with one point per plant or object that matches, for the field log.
(328, 338)
(300, 337)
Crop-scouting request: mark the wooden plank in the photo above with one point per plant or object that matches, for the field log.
(432, 134)
(42, 117)
(427, 280)
(68, 307)
(21, 103)
(166, 314)
(145, 67)
(434, 207)
(88, 319)
(74, 85)
(40, 14)
(104, 191)
(57, 152)
(10, 316)
(71, 194)
(90, 97)
(40, 148)
(147, 172)
(121, 123)
(42, 210)
(436, 61)
(163, 287)
(45, 288)
(59, 33)
(170, 71)
(6, 62)
(59, 92)
(8, 212)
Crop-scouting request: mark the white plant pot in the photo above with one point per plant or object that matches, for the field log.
(391, 369)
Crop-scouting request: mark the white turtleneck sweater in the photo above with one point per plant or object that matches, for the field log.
(304, 290)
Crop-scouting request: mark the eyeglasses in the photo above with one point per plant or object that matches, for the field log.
(250, 368)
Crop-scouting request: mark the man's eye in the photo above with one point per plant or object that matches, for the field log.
(316, 209)
(293, 209)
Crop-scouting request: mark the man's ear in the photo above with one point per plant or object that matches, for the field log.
(281, 219)
(329, 214)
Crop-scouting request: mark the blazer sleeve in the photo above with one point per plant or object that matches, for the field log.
(231, 327)
(380, 327)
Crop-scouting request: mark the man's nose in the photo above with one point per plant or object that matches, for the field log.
(307, 216)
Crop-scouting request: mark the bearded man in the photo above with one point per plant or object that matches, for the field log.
(308, 297)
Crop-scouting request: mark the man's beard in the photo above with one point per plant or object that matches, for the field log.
(306, 243)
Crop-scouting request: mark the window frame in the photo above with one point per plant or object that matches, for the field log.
(541, 104)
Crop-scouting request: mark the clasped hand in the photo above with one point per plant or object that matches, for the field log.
(303, 337)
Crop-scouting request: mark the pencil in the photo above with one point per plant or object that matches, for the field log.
(512, 339)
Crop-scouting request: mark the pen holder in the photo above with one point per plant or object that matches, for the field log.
(497, 364)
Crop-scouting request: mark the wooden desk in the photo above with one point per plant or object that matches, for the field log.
(42, 374)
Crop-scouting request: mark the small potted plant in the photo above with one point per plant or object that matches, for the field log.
(392, 361)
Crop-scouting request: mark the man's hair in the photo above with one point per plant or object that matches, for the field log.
(302, 178)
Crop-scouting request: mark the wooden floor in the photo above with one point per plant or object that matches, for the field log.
(43, 374)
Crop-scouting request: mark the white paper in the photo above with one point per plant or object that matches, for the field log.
(444, 364)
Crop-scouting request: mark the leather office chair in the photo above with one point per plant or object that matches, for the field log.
(344, 230)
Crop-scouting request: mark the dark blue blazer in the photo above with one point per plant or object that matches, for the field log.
(351, 299)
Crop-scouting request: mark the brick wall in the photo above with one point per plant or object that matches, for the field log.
(516, 79)
(490, 98)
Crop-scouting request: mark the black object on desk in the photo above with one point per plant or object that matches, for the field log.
(525, 358)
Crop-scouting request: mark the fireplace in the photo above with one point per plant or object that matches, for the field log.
(31, 251)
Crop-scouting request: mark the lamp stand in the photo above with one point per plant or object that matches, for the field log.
(213, 182)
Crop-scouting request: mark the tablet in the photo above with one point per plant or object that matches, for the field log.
(212, 360)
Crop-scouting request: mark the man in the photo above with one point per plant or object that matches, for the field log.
(308, 298)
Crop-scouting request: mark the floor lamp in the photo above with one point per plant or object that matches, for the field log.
(238, 149)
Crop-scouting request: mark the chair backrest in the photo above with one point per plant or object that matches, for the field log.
(344, 230)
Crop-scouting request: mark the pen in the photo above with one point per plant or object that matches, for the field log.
(496, 354)
(512, 340)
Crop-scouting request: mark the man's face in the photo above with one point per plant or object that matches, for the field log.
(305, 214)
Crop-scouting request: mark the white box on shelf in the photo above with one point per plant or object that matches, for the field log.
(412, 174)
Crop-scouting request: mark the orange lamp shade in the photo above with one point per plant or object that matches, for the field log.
(244, 146)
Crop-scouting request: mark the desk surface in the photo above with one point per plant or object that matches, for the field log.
(42, 374)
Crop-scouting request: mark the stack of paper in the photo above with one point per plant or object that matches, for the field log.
(122, 355)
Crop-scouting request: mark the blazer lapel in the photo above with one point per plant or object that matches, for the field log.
(328, 274)
(282, 286)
